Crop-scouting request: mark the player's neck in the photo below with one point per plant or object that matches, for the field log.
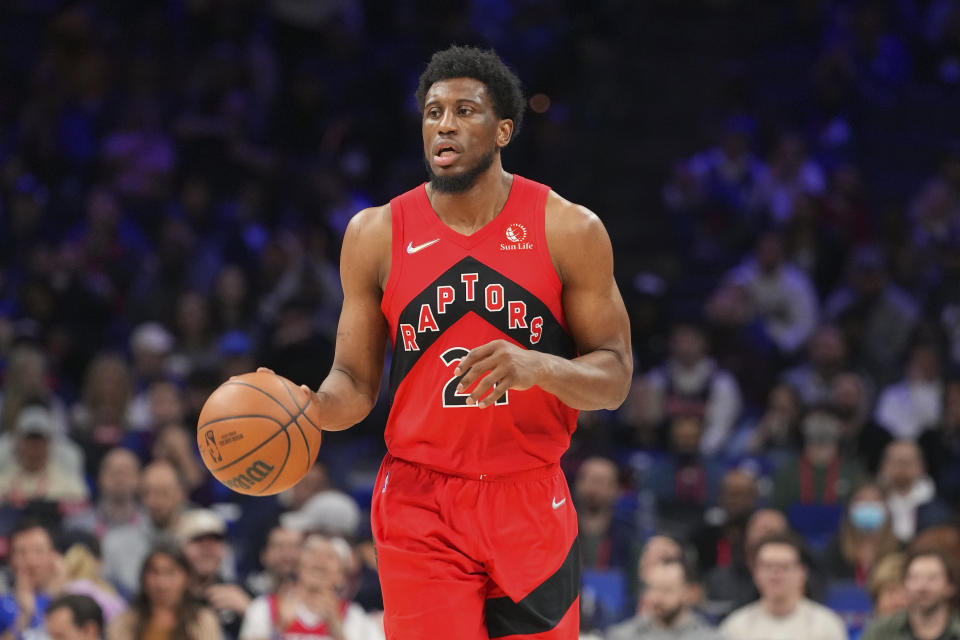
(468, 211)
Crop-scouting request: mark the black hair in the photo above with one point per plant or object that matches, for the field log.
(30, 522)
(786, 538)
(503, 85)
(83, 609)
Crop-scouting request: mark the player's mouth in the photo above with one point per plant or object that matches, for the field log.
(445, 153)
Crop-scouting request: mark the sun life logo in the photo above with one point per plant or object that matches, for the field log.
(516, 233)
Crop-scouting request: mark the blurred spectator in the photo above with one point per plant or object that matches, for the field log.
(860, 437)
(26, 381)
(163, 607)
(820, 475)
(74, 617)
(150, 346)
(732, 586)
(690, 383)
(124, 546)
(941, 445)
(606, 537)
(236, 354)
(195, 347)
(34, 474)
(202, 533)
(315, 481)
(720, 537)
(777, 432)
(876, 316)
(866, 536)
(279, 560)
(781, 295)
(885, 585)
(913, 405)
(118, 483)
(101, 417)
(82, 573)
(931, 586)
(173, 444)
(782, 610)
(683, 479)
(296, 348)
(826, 357)
(315, 606)
(911, 494)
(38, 577)
(668, 614)
(943, 538)
(790, 173)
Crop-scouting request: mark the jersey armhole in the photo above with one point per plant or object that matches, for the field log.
(542, 248)
(396, 259)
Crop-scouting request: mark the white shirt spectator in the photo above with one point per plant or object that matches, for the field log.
(785, 299)
(258, 623)
(906, 409)
(723, 400)
(808, 620)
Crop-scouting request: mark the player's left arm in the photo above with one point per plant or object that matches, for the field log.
(599, 378)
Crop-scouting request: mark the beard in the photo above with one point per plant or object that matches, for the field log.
(462, 182)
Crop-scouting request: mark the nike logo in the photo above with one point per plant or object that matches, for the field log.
(420, 247)
(557, 505)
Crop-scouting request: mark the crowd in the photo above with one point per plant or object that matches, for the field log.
(175, 177)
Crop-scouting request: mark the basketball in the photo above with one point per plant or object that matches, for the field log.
(258, 433)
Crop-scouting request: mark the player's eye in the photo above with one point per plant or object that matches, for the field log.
(433, 113)
(464, 111)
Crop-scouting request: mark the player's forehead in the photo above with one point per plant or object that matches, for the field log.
(457, 89)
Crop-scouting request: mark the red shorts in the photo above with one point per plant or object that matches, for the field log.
(474, 559)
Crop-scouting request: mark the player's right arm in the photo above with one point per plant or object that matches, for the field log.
(349, 392)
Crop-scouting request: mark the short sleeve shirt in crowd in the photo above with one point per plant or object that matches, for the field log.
(809, 621)
(259, 623)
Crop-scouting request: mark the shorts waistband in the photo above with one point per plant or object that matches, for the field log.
(537, 473)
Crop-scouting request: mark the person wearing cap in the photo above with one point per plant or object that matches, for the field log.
(202, 532)
(32, 474)
(820, 475)
(329, 512)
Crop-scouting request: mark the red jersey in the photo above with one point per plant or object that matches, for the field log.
(448, 293)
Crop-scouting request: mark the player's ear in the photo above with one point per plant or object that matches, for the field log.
(504, 132)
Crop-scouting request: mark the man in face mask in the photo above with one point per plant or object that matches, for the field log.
(667, 613)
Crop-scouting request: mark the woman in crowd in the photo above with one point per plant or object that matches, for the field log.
(865, 536)
(162, 610)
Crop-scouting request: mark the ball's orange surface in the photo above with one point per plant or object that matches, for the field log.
(259, 433)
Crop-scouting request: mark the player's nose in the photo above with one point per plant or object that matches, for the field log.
(448, 121)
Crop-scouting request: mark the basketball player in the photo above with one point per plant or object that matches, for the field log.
(499, 299)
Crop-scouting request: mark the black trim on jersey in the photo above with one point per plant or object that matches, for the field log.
(554, 339)
(543, 608)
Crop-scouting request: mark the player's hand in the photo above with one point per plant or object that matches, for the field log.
(498, 365)
(266, 370)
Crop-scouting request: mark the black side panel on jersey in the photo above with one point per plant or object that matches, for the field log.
(554, 339)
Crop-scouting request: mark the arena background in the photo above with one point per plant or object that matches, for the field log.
(781, 182)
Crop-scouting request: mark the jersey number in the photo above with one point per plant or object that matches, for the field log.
(451, 398)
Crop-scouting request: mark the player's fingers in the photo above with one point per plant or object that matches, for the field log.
(264, 370)
(475, 355)
(474, 373)
(497, 391)
(488, 383)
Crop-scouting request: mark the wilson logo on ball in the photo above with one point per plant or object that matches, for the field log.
(254, 474)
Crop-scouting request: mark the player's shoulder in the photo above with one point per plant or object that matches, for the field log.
(566, 216)
(370, 221)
